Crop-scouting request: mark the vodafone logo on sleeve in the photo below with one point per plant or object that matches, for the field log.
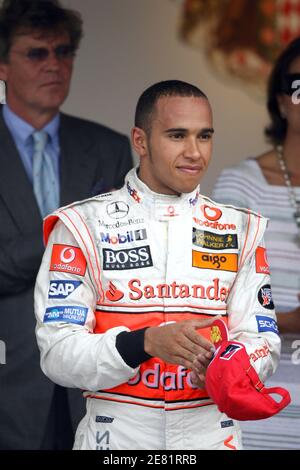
(262, 265)
(68, 259)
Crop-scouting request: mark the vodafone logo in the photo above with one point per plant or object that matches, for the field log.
(262, 265)
(171, 211)
(211, 213)
(67, 255)
(68, 259)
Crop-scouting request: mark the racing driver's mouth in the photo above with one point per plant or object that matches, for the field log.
(192, 170)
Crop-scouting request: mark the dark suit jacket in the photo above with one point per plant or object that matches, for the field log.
(93, 159)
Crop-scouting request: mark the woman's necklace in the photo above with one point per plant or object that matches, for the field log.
(291, 192)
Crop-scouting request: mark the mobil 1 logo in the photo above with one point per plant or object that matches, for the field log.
(132, 258)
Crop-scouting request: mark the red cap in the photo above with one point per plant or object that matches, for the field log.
(233, 383)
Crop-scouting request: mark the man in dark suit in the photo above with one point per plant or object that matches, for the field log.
(38, 41)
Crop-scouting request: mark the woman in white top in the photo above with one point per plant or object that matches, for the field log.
(270, 184)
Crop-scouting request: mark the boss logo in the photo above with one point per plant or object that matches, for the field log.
(127, 259)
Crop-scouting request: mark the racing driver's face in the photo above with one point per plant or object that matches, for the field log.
(175, 153)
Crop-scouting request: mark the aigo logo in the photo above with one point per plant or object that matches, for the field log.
(224, 262)
(211, 213)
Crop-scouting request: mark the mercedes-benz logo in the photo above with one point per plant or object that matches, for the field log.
(117, 210)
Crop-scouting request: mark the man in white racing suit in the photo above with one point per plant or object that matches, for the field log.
(132, 280)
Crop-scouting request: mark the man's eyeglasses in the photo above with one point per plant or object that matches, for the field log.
(40, 54)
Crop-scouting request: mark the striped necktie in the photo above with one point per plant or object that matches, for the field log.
(45, 185)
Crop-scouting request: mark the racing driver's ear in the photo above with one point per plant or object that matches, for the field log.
(139, 141)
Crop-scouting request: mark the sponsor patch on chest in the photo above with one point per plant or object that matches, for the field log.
(132, 258)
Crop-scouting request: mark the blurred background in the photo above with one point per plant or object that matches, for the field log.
(130, 44)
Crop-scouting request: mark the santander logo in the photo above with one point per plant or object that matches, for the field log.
(137, 291)
(113, 294)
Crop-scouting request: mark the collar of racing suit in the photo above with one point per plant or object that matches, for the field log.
(160, 206)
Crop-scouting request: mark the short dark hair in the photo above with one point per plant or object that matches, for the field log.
(276, 131)
(146, 104)
(46, 16)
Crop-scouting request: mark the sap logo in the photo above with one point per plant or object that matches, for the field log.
(266, 324)
(127, 259)
(62, 289)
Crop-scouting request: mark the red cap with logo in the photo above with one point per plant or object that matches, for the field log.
(233, 383)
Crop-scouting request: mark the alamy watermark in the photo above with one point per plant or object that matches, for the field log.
(2, 352)
(2, 92)
(296, 354)
(296, 94)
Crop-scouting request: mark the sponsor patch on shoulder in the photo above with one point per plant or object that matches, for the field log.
(66, 314)
(61, 289)
(266, 324)
(265, 297)
(227, 424)
(68, 259)
(262, 265)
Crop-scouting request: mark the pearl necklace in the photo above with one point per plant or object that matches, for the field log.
(291, 192)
